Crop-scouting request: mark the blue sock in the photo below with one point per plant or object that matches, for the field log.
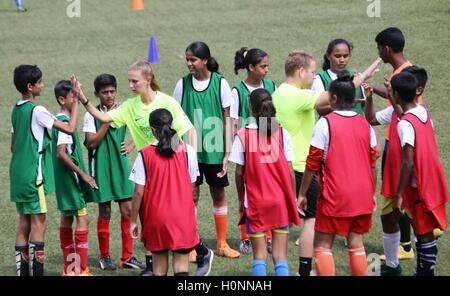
(259, 268)
(281, 268)
(18, 2)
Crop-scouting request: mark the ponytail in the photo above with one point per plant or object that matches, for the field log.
(264, 111)
(168, 141)
(245, 57)
(201, 50)
(344, 89)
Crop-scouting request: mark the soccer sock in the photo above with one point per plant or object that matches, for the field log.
(304, 266)
(149, 262)
(201, 249)
(181, 274)
(259, 268)
(18, 2)
(281, 268)
(127, 240)
(37, 258)
(103, 234)
(67, 245)
(358, 262)
(220, 219)
(427, 253)
(22, 260)
(405, 232)
(82, 247)
(269, 235)
(244, 234)
(324, 262)
(391, 241)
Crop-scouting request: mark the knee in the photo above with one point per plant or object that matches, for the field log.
(105, 213)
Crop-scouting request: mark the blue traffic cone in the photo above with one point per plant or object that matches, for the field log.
(153, 57)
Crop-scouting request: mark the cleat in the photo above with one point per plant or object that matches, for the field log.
(226, 251)
(245, 246)
(107, 264)
(391, 271)
(21, 9)
(132, 263)
(269, 246)
(402, 254)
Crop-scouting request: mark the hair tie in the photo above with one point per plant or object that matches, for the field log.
(245, 53)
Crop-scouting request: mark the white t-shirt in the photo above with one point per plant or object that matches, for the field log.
(234, 109)
(89, 123)
(384, 116)
(406, 131)
(41, 119)
(138, 172)
(318, 86)
(237, 154)
(225, 91)
(321, 135)
(65, 139)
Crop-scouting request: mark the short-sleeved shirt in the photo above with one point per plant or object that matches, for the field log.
(201, 85)
(138, 175)
(296, 114)
(135, 115)
(406, 131)
(234, 109)
(41, 120)
(321, 134)
(89, 123)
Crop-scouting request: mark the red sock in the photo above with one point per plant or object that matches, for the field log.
(103, 237)
(82, 247)
(244, 234)
(67, 245)
(324, 262)
(127, 240)
(358, 262)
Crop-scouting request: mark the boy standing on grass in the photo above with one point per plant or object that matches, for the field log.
(73, 186)
(31, 169)
(108, 165)
(422, 187)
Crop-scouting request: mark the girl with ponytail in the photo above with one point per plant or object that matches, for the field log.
(163, 174)
(256, 62)
(205, 97)
(265, 183)
(343, 152)
(335, 60)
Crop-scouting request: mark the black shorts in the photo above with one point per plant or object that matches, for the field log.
(179, 251)
(210, 172)
(311, 195)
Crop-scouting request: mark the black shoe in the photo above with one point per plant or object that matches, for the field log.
(147, 272)
(106, 263)
(132, 263)
(391, 271)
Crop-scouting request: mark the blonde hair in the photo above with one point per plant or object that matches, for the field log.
(146, 71)
(295, 60)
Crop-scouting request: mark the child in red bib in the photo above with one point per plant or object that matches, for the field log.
(422, 187)
(343, 151)
(265, 183)
(163, 174)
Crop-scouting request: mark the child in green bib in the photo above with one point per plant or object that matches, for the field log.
(73, 187)
(108, 165)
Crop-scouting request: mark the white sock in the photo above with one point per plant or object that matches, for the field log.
(391, 242)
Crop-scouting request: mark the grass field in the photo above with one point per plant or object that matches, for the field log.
(108, 37)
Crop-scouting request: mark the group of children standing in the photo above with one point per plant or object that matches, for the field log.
(288, 167)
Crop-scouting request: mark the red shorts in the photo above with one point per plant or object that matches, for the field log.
(426, 221)
(342, 225)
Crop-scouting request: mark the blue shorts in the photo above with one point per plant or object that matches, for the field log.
(284, 229)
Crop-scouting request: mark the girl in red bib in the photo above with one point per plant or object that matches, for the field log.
(343, 151)
(163, 174)
(422, 187)
(265, 183)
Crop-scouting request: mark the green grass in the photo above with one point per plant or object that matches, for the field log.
(108, 37)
